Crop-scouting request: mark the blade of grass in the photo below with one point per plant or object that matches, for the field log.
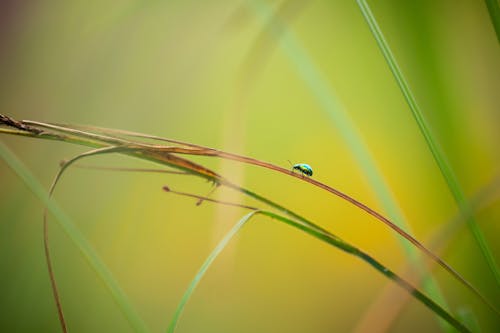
(201, 150)
(343, 124)
(165, 155)
(77, 237)
(204, 267)
(437, 154)
(70, 135)
(494, 11)
(331, 239)
(337, 242)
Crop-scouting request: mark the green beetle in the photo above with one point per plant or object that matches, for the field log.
(305, 169)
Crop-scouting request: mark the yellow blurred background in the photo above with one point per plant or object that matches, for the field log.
(220, 74)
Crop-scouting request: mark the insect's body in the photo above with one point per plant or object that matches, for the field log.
(305, 169)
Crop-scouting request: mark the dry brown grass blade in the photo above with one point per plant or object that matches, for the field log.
(102, 168)
(192, 149)
(165, 154)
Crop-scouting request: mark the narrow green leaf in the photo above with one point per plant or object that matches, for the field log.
(203, 269)
(346, 247)
(77, 237)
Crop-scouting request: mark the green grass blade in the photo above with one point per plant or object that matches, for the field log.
(494, 11)
(346, 247)
(438, 156)
(77, 237)
(203, 269)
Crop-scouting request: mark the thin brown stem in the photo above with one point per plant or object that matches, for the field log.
(204, 198)
(53, 282)
(192, 149)
(167, 155)
(93, 167)
(52, 278)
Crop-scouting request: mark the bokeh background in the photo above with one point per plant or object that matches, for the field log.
(236, 75)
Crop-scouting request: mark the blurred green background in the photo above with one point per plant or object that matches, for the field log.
(218, 74)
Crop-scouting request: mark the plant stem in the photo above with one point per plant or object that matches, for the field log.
(166, 155)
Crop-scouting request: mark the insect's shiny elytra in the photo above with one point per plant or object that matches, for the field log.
(305, 169)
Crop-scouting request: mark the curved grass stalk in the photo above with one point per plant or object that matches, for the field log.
(93, 167)
(337, 242)
(165, 155)
(321, 234)
(77, 237)
(193, 149)
(304, 225)
(437, 154)
(204, 267)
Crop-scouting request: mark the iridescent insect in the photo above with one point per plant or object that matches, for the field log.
(305, 169)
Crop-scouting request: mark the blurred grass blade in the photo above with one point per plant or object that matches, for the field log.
(77, 237)
(494, 11)
(325, 96)
(218, 249)
(438, 156)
